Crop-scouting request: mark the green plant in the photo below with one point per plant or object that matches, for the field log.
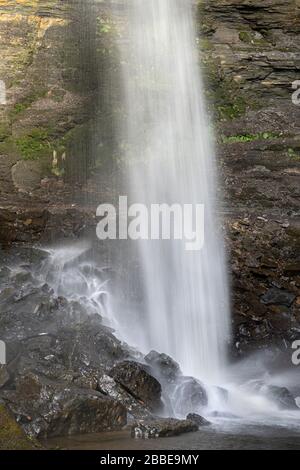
(34, 145)
(249, 137)
(293, 155)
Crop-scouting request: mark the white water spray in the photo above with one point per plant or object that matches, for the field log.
(172, 160)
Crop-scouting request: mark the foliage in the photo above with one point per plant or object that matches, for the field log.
(249, 137)
(34, 145)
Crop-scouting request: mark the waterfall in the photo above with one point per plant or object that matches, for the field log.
(169, 147)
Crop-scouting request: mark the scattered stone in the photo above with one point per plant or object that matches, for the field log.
(277, 296)
(162, 427)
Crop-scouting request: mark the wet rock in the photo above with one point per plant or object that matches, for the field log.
(111, 388)
(275, 296)
(197, 419)
(162, 427)
(48, 408)
(189, 396)
(27, 175)
(4, 376)
(279, 395)
(136, 379)
(163, 365)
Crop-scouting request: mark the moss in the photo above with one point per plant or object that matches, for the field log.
(249, 137)
(223, 94)
(5, 131)
(245, 36)
(233, 110)
(293, 155)
(34, 145)
(251, 37)
(26, 103)
(12, 437)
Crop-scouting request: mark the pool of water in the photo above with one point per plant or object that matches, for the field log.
(219, 436)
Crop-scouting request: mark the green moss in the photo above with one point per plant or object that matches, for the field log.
(251, 37)
(245, 36)
(249, 137)
(223, 94)
(4, 131)
(234, 110)
(26, 103)
(34, 145)
(12, 437)
(293, 155)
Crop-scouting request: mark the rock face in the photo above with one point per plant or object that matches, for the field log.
(138, 382)
(53, 77)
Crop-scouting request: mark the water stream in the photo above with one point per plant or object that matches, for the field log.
(172, 161)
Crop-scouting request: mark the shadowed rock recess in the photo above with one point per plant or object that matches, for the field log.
(67, 373)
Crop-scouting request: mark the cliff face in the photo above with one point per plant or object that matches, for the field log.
(50, 70)
(251, 55)
(58, 63)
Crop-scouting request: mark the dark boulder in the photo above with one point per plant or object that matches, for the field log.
(162, 427)
(136, 379)
(48, 408)
(197, 419)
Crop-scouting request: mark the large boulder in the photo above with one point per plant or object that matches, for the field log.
(281, 396)
(48, 408)
(189, 396)
(162, 427)
(136, 379)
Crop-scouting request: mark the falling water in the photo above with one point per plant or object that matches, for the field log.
(172, 161)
